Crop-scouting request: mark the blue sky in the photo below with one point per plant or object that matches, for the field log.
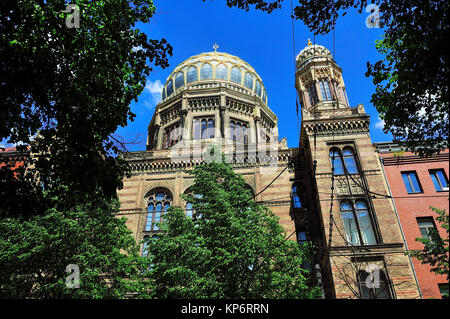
(264, 41)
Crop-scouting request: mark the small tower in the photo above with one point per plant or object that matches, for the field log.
(319, 81)
(348, 212)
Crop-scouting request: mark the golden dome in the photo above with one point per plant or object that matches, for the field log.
(312, 51)
(214, 67)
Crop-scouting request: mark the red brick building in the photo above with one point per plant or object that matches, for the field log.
(416, 183)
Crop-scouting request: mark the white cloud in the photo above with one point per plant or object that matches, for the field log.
(379, 124)
(155, 89)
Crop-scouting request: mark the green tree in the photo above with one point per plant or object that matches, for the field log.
(63, 93)
(230, 248)
(411, 82)
(34, 254)
(435, 251)
(74, 86)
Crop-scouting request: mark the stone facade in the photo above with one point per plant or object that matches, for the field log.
(349, 216)
(216, 98)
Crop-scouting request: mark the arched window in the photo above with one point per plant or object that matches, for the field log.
(264, 97)
(189, 206)
(164, 93)
(203, 128)
(145, 246)
(373, 285)
(258, 88)
(357, 223)
(236, 75)
(239, 131)
(325, 89)
(350, 161)
(189, 210)
(246, 131)
(296, 197)
(365, 223)
(179, 80)
(221, 72)
(172, 135)
(336, 162)
(232, 129)
(351, 228)
(191, 74)
(210, 129)
(169, 87)
(248, 81)
(158, 203)
(206, 72)
(312, 93)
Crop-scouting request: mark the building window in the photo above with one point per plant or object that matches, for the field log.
(264, 97)
(373, 285)
(411, 182)
(158, 204)
(191, 74)
(203, 128)
(248, 81)
(179, 80)
(236, 75)
(189, 210)
(350, 161)
(239, 131)
(439, 179)
(221, 72)
(258, 88)
(325, 89)
(206, 72)
(296, 197)
(145, 246)
(164, 94)
(301, 237)
(172, 135)
(336, 162)
(426, 227)
(443, 289)
(345, 96)
(312, 93)
(169, 87)
(357, 223)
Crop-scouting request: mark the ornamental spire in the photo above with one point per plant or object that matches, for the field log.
(215, 47)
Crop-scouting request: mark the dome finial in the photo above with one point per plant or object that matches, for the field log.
(215, 47)
(309, 42)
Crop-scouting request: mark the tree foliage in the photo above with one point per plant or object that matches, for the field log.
(63, 93)
(411, 82)
(230, 248)
(34, 254)
(435, 251)
(74, 86)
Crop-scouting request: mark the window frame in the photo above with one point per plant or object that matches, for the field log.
(151, 199)
(383, 278)
(407, 174)
(325, 89)
(433, 172)
(197, 122)
(426, 219)
(203, 73)
(361, 240)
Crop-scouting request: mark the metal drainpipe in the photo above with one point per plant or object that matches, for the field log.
(401, 229)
